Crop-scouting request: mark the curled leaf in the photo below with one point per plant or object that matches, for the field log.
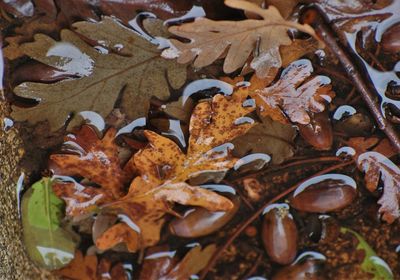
(378, 167)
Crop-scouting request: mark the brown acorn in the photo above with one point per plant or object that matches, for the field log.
(279, 234)
(391, 39)
(318, 133)
(324, 193)
(200, 222)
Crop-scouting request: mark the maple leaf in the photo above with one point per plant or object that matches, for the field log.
(209, 40)
(136, 69)
(88, 268)
(378, 167)
(165, 267)
(164, 170)
(92, 158)
(294, 94)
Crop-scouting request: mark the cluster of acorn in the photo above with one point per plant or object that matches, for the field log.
(321, 194)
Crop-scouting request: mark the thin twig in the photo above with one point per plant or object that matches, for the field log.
(256, 214)
(254, 267)
(368, 94)
(290, 164)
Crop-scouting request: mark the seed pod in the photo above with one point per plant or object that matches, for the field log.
(279, 234)
(324, 193)
(318, 133)
(200, 222)
(391, 39)
(307, 267)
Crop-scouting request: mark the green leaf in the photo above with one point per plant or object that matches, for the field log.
(47, 243)
(371, 263)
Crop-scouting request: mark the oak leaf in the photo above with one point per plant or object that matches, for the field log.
(92, 158)
(235, 40)
(295, 94)
(364, 144)
(378, 167)
(164, 170)
(89, 268)
(130, 65)
(167, 268)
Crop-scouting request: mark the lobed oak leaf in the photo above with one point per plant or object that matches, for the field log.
(88, 268)
(235, 40)
(135, 72)
(295, 94)
(378, 167)
(164, 170)
(92, 158)
(168, 268)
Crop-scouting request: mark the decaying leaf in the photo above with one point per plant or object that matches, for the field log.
(363, 144)
(371, 263)
(164, 267)
(378, 167)
(295, 94)
(268, 137)
(88, 268)
(92, 158)
(128, 63)
(209, 40)
(47, 243)
(164, 170)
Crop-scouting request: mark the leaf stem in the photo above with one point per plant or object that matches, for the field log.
(256, 214)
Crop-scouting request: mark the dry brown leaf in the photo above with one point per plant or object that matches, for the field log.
(378, 167)
(88, 268)
(209, 39)
(92, 158)
(295, 94)
(140, 73)
(268, 137)
(164, 169)
(164, 267)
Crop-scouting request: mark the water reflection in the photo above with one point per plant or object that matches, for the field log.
(20, 188)
(8, 124)
(344, 111)
(204, 84)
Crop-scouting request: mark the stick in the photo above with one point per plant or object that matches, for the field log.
(368, 94)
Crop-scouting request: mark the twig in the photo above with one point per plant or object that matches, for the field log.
(369, 95)
(256, 214)
(290, 164)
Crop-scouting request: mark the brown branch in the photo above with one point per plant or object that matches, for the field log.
(256, 214)
(313, 17)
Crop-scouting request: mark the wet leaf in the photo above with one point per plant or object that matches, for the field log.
(193, 262)
(47, 243)
(378, 167)
(92, 158)
(363, 144)
(164, 170)
(371, 262)
(295, 94)
(268, 137)
(209, 40)
(131, 65)
(88, 268)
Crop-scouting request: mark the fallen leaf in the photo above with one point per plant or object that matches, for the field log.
(88, 268)
(193, 262)
(48, 244)
(164, 170)
(378, 167)
(267, 137)
(131, 65)
(371, 263)
(295, 94)
(92, 158)
(235, 40)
